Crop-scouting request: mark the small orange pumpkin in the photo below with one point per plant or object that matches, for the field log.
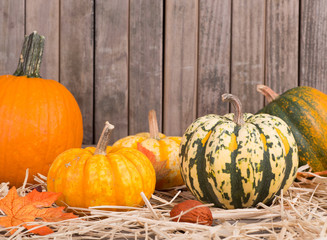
(161, 150)
(39, 118)
(102, 176)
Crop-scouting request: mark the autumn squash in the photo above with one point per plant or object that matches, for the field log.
(238, 160)
(102, 176)
(160, 149)
(304, 109)
(39, 118)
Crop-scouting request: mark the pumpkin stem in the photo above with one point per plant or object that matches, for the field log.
(31, 56)
(235, 101)
(153, 125)
(104, 139)
(269, 94)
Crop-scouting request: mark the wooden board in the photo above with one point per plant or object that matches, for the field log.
(12, 32)
(43, 16)
(313, 48)
(248, 44)
(145, 65)
(282, 44)
(111, 67)
(76, 57)
(214, 56)
(180, 82)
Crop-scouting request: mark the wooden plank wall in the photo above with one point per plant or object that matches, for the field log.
(122, 58)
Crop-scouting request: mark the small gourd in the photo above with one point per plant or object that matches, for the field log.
(102, 176)
(238, 160)
(161, 150)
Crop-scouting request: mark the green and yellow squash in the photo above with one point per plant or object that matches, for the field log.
(238, 160)
(304, 109)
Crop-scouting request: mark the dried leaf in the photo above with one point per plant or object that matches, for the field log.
(35, 205)
(159, 166)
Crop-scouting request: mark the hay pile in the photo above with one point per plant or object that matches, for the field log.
(300, 213)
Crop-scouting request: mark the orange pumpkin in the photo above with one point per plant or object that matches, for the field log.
(161, 150)
(39, 118)
(102, 176)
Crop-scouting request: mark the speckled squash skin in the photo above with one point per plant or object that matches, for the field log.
(304, 109)
(114, 177)
(238, 166)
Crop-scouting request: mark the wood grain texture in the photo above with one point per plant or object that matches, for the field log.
(282, 44)
(214, 56)
(145, 66)
(76, 57)
(248, 44)
(43, 16)
(11, 34)
(180, 65)
(111, 67)
(313, 61)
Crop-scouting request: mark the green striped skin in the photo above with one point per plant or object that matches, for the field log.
(304, 109)
(237, 166)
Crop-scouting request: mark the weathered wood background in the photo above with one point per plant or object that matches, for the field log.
(121, 58)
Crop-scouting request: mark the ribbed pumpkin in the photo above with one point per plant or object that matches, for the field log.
(39, 118)
(161, 150)
(102, 176)
(304, 109)
(238, 160)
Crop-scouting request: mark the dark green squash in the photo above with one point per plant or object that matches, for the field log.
(304, 109)
(239, 160)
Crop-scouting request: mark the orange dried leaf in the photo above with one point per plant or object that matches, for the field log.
(20, 210)
(159, 166)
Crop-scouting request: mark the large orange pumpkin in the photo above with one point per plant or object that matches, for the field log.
(102, 176)
(39, 118)
(161, 150)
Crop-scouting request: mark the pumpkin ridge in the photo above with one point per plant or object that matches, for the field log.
(127, 165)
(20, 91)
(119, 193)
(136, 167)
(263, 187)
(184, 154)
(200, 162)
(288, 169)
(237, 190)
(49, 143)
(202, 174)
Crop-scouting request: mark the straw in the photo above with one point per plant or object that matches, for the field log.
(298, 213)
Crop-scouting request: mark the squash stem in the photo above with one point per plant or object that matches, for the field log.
(104, 139)
(31, 56)
(153, 125)
(235, 101)
(269, 94)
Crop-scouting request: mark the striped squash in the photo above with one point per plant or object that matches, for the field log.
(304, 109)
(238, 160)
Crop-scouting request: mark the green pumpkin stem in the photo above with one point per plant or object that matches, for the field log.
(269, 94)
(31, 56)
(235, 101)
(104, 139)
(153, 125)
